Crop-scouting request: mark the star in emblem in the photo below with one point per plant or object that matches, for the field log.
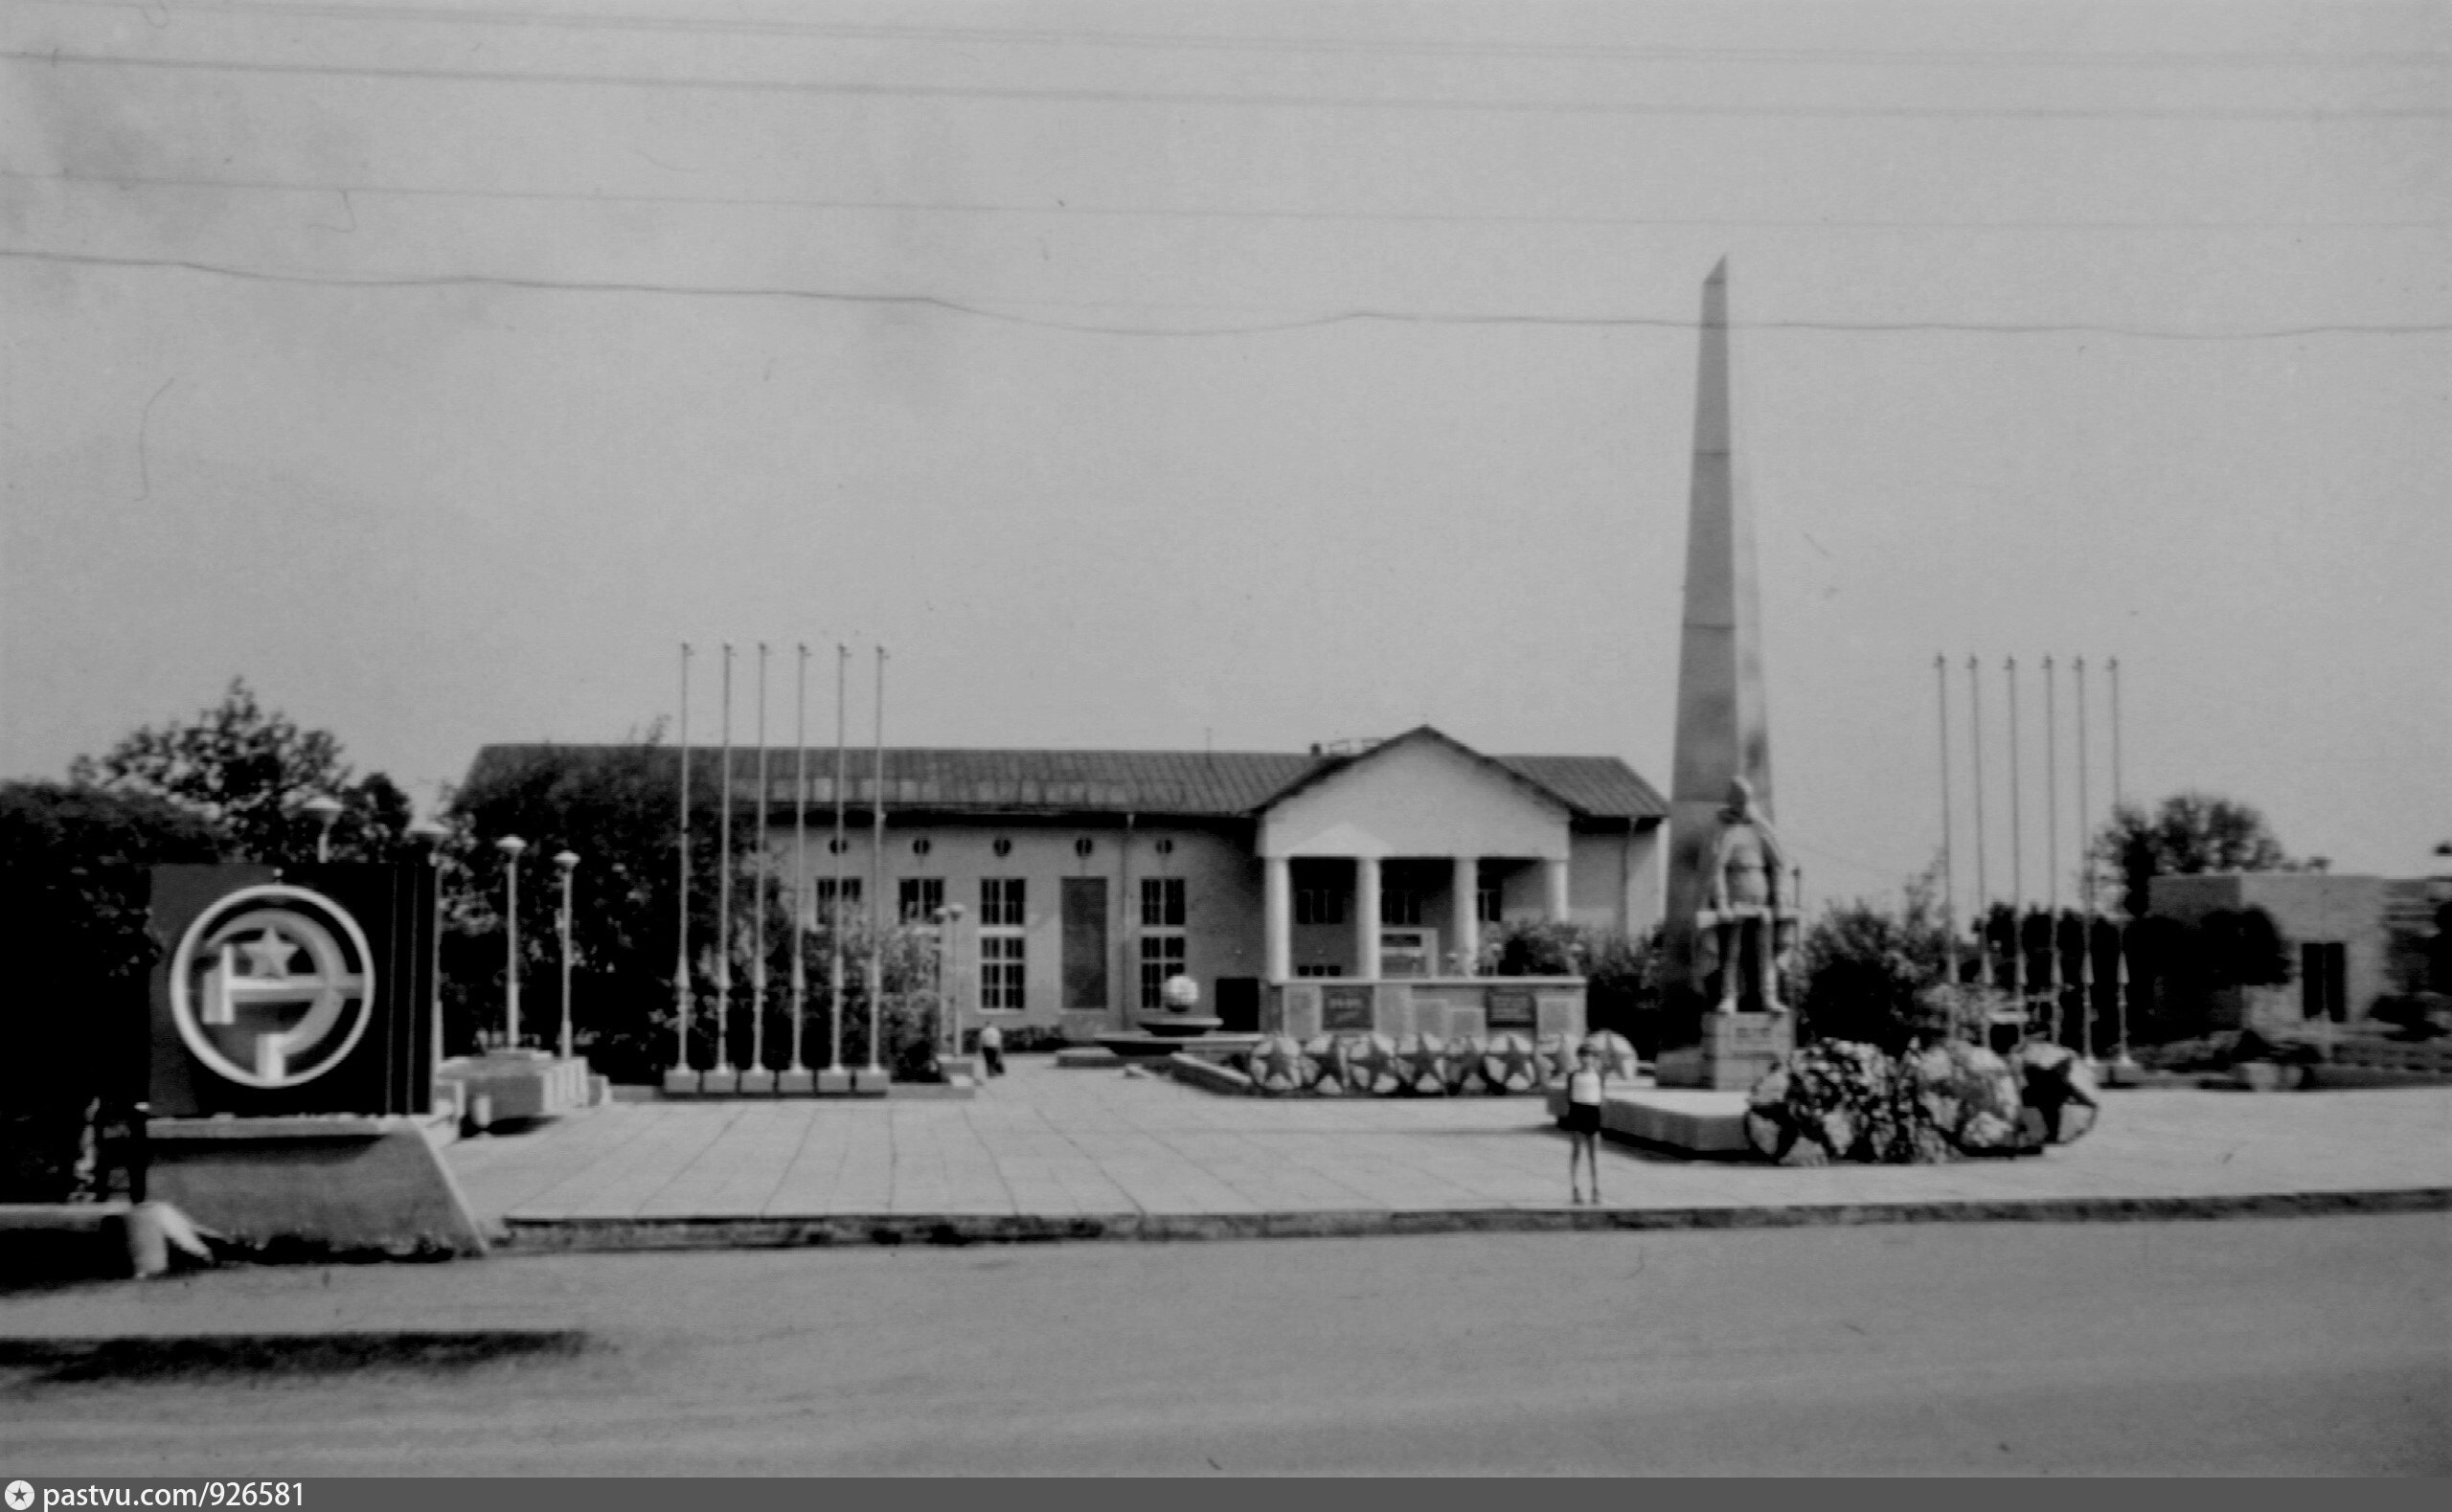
(1371, 1064)
(1418, 1059)
(1510, 1063)
(1277, 1063)
(269, 956)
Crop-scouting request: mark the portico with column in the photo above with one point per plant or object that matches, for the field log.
(1379, 871)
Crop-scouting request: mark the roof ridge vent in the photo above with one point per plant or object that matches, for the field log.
(1351, 745)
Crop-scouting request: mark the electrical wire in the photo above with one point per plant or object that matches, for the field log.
(1063, 209)
(1306, 323)
(1179, 41)
(1255, 101)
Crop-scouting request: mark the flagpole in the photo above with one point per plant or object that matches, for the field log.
(2120, 957)
(723, 882)
(757, 894)
(2017, 854)
(681, 961)
(2085, 882)
(834, 905)
(2051, 831)
(876, 886)
(799, 854)
(1949, 886)
(1983, 915)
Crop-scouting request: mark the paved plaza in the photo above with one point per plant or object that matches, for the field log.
(1058, 1144)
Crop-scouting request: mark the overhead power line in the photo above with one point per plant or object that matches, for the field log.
(1065, 208)
(1193, 42)
(436, 280)
(1231, 100)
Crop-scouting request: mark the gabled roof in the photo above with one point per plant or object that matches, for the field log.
(1220, 784)
(1420, 734)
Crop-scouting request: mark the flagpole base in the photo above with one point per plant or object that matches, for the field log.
(794, 1083)
(870, 1082)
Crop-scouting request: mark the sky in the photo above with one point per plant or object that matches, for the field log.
(1248, 375)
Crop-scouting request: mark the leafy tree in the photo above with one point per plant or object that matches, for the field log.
(247, 771)
(2190, 833)
(616, 808)
(73, 886)
(1863, 970)
(1622, 973)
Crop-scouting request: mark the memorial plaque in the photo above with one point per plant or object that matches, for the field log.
(1344, 1009)
(1512, 1008)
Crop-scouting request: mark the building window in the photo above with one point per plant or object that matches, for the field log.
(920, 898)
(1162, 936)
(1000, 903)
(920, 846)
(999, 972)
(823, 896)
(1083, 847)
(1319, 906)
(1001, 910)
(1400, 906)
(1162, 956)
(1485, 905)
(1319, 971)
(1162, 902)
(1002, 847)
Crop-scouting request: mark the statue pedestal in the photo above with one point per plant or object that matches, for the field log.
(1737, 1049)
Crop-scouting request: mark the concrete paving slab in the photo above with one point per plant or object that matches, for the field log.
(1148, 1156)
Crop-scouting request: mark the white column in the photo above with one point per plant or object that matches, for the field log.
(1465, 890)
(1278, 894)
(1366, 918)
(1554, 876)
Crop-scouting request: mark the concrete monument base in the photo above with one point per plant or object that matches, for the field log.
(336, 1182)
(799, 1083)
(721, 1082)
(834, 1083)
(760, 1083)
(1699, 1125)
(868, 1083)
(1738, 1050)
(518, 1084)
(681, 1082)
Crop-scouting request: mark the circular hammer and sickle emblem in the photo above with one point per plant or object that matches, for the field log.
(270, 986)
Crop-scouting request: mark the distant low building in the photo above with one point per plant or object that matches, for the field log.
(1087, 878)
(2337, 931)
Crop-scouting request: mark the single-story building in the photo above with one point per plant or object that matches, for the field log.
(1345, 887)
(2337, 933)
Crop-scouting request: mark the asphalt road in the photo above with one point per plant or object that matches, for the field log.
(2300, 1345)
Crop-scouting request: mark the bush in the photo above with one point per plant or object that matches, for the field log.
(2415, 1015)
(75, 883)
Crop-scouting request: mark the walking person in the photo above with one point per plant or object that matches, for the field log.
(991, 1049)
(1583, 1121)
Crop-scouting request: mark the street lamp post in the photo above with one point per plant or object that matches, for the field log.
(511, 845)
(428, 833)
(567, 862)
(948, 998)
(322, 808)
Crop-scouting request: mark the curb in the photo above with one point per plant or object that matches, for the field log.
(613, 1235)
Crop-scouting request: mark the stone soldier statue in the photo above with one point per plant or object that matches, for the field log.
(1747, 925)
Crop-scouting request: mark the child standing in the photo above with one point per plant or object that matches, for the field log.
(991, 1050)
(1583, 1118)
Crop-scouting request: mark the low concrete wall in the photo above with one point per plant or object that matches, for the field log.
(331, 1184)
(1445, 1006)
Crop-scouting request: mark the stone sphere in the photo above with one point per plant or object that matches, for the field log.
(1182, 994)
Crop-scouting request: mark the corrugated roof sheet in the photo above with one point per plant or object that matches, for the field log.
(1193, 783)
